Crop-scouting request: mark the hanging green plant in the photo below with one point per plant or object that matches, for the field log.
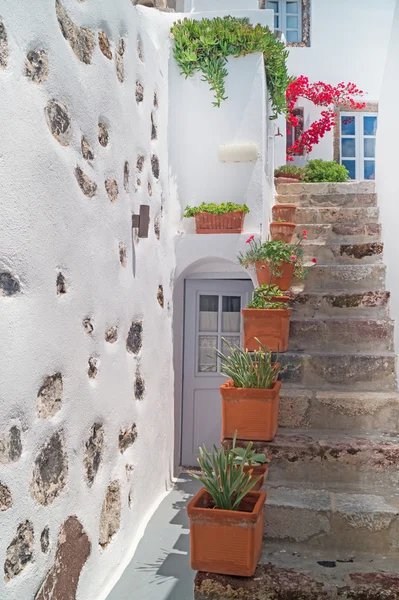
(205, 46)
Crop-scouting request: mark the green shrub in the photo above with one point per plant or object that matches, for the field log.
(216, 209)
(318, 171)
(205, 46)
(287, 170)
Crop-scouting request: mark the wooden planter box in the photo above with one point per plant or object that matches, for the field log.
(232, 222)
(253, 413)
(228, 542)
(271, 326)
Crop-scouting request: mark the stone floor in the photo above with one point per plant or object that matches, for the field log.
(160, 568)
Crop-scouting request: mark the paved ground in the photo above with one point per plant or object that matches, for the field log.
(160, 568)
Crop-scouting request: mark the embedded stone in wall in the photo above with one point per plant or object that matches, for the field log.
(45, 540)
(81, 39)
(94, 452)
(3, 45)
(139, 386)
(126, 176)
(5, 498)
(110, 519)
(120, 67)
(61, 285)
(140, 49)
(127, 438)
(103, 135)
(149, 188)
(140, 163)
(111, 335)
(123, 254)
(49, 398)
(155, 166)
(139, 92)
(87, 150)
(36, 66)
(129, 470)
(160, 296)
(134, 340)
(104, 44)
(88, 325)
(20, 552)
(93, 368)
(157, 228)
(149, 3)
(138, 183)
(155, 99)
(59, 121)
(73, 550)
(50, 470)
(9, 285)
(112, 190)
(11, 446)
(153, 128)
(87, 186)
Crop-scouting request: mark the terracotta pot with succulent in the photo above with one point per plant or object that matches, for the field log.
(218, 218)
(281, 231)
(266, 320)
(285, 212)
(288, 174)
(255, 463)
(250, 398)
(226, 516)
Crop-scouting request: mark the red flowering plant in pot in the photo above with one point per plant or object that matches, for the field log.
(226, 514)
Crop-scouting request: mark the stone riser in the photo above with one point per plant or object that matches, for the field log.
(334, 410)
(341, 254)
(340, 233)
(348, 188)
(345, 335)
(357, 278)
(373, 305)
(328, 200)
(347, 216)
(349, 372)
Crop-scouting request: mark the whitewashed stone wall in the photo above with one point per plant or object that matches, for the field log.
(86, 379)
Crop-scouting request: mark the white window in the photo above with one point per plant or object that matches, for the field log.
(287, 18)
(358, 139)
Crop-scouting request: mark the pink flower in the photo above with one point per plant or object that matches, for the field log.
(249, 240)
(314, 260)
(304, 231)
(305, 237)
(293, 257)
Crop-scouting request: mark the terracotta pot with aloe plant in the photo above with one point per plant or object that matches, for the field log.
(254, 462)
(218, 218)
(251, 397)
(226, 516)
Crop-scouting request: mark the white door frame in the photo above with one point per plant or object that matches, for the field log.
(359, 138)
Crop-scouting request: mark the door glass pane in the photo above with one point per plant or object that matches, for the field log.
(208, 316)
(292, 7)
(273, 5)
(231, 314)
(348, 147)
(292, 22)
(369, 169)
(207, 361)
(370, 125)
(351, 166)
(233, 341)
(292, 36)
(369, 147)
(348, 125)
(276, 21)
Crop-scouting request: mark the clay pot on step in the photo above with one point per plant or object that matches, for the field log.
(252, 412)
(287, 178)
(283, 281)
(228, 542)
(271, 326)
(282, 232)
(232, 222)
(258, 471)
(285, 212)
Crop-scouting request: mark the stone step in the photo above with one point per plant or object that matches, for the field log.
(350, 187)
(345, 254)
(342, 304)
(335, 215)
(340, 233)
(330, 459)
(337, 521)
(338, 410)
(286, 572)
(340, 335)
(339, 278)
(342, 371)
(327, 200)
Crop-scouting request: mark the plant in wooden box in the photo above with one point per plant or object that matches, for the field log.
(267, 319)
(250, 398)
(226, 516)
(254, 462)
(218, 218)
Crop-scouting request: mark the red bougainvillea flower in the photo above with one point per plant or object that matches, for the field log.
(293, 257)
(304, 231)
(249, 240)
(314, 260)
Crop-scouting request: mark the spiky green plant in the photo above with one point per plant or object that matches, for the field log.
(249, 369)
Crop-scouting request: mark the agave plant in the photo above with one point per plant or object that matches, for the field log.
(224, 479)
(249, 369)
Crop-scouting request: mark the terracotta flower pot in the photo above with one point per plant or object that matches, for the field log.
(271, 326)
(288, 178)
(228, 542)
(286, 212)
(258, 471)
(283, 282)
(282, 231)
(252, 412)
(231, 222)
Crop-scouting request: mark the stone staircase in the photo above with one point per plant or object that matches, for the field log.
(332, 512)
